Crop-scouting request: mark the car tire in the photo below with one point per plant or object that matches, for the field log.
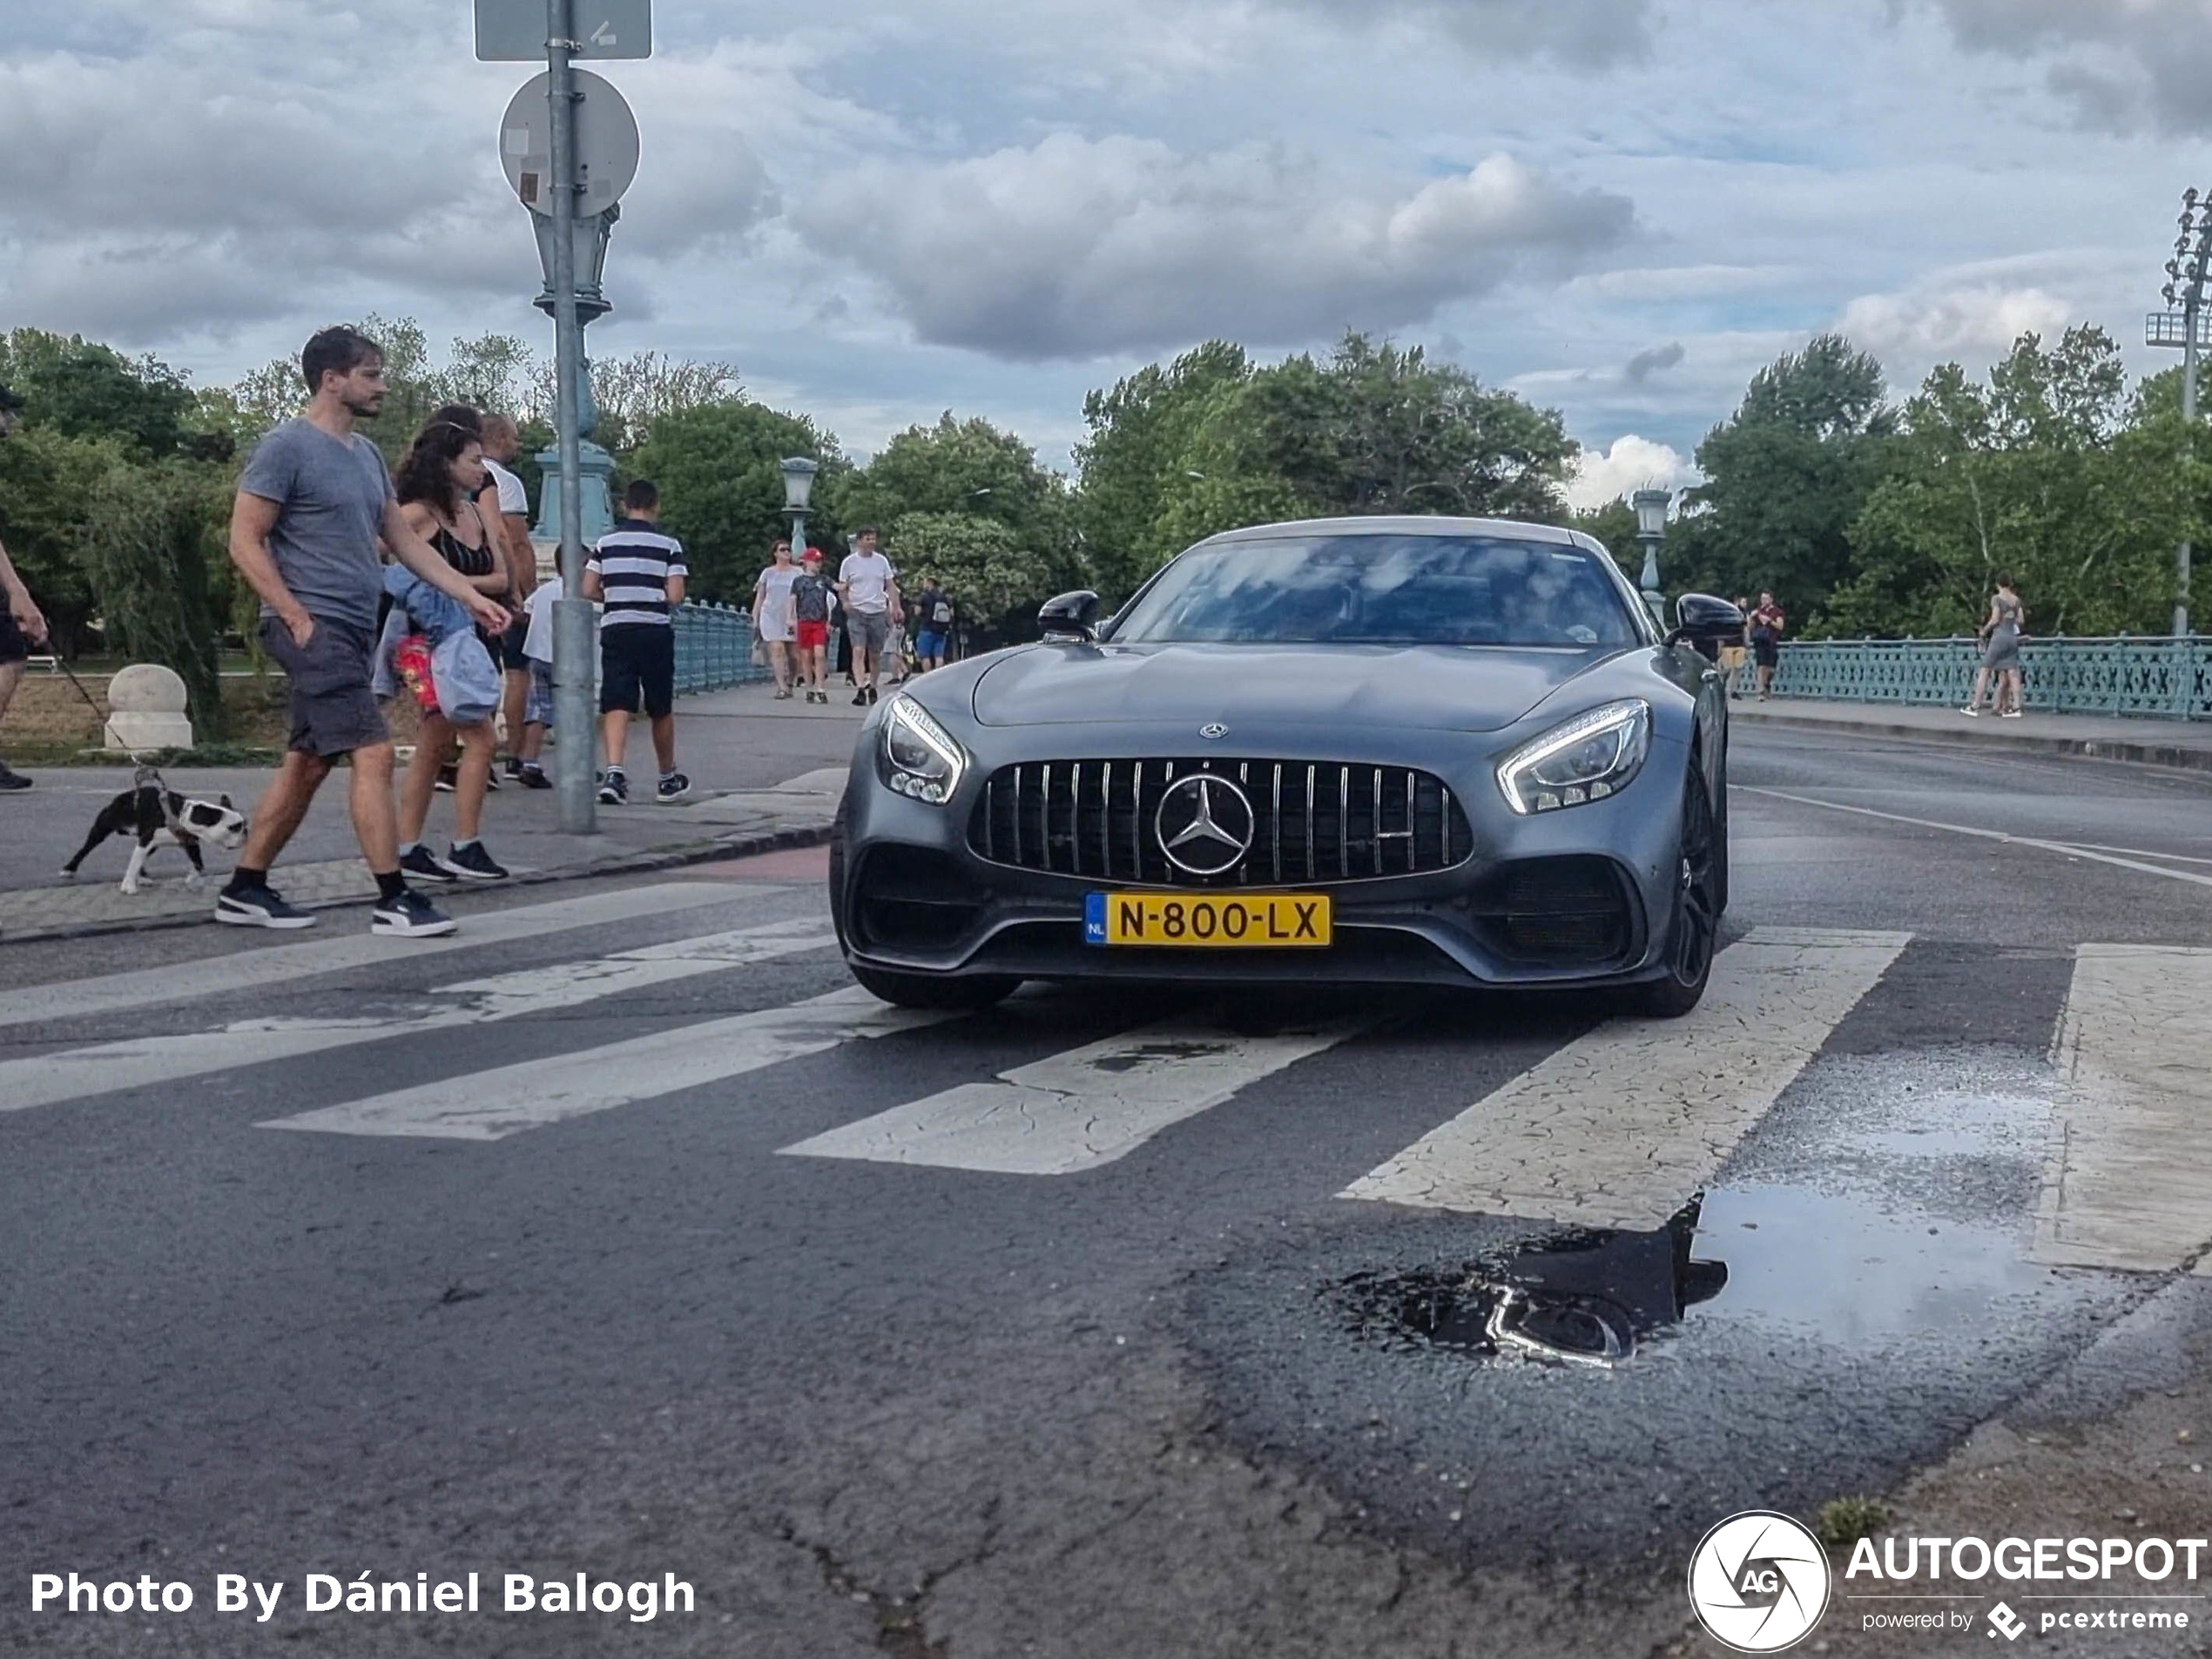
(1694, 927)
(906, 990)
(965, 994)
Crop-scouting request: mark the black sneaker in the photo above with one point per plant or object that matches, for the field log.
(535, 778)
(514, 767)
(258, 907)
(860, 699)
(444, 785)
(421, 861)
(614, 789)
(11, 779)
(410, 916)
(491, 779)
(474, 863)
(870, 694)
(675, 786)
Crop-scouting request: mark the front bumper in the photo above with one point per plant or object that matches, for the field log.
(1522, 910)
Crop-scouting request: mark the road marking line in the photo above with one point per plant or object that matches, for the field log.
(139, 1063)
(1621, 1125)
(247, 970)
(505, 1100)
(1075, 1110)
(2129, 1181)
(2067, 848)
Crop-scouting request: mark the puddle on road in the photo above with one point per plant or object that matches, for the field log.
(1841, 1266)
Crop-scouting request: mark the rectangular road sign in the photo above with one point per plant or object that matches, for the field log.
(514, 30)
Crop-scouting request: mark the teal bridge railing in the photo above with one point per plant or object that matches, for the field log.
(713, 649)
(2159, 678)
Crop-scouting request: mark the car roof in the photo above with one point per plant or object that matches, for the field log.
(1410, 524)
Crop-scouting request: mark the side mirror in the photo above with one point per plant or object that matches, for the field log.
(1069, 618)
(1703, 620)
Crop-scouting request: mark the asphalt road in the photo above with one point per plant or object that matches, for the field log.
(413, 1269)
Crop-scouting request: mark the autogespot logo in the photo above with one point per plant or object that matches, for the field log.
(1759, 1581)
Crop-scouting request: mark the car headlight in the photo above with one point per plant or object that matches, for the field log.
(921, 758)
(1590, 756)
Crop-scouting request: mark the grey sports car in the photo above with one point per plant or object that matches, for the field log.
(1415, 750)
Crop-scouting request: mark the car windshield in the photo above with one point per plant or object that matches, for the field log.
(1383, 590)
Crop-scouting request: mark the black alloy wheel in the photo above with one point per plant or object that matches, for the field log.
(1694, 928)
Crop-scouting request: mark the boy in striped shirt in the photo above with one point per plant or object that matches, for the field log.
(637, 572)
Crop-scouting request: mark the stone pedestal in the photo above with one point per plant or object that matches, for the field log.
(146, 704)
(597, 517)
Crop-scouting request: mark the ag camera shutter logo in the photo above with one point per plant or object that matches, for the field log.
(1759, 1581)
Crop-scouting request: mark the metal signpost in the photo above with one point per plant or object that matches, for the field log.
(569, 149)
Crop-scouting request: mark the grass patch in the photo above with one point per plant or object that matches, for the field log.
(1843, 1521)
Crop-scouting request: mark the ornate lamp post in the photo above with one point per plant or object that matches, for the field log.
(2185, 277)
(1651, 529)
(799, 492)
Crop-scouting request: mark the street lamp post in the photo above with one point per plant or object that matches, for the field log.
(1651, 529)
(2185, 276)
(799, 492)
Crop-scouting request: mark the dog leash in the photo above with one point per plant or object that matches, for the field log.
(90, 701)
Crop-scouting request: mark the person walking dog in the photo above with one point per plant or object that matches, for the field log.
(312, 505)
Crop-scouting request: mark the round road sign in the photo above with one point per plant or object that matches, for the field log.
(606, 144)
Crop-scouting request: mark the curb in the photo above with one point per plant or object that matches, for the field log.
(2173, 757)
(736, 847)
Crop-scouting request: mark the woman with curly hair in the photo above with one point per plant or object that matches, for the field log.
(438, 485)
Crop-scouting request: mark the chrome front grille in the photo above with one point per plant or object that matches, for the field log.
(1313, 821)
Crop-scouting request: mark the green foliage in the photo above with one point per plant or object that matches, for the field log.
(2049, 473)
(1614, 524)
(1843, 1521)
(718, 467)
(83, 390)
(1787, 477)
(1212, 442)
(980, 561)
(46, 482)
(148, 537)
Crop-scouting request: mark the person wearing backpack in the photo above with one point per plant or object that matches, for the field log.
(935, 614)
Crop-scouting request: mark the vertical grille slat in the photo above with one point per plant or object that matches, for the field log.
(1032, 817)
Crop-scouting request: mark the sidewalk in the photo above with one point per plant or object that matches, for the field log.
(2185, 744)
(764, 774)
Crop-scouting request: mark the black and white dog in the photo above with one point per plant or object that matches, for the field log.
(158, 816)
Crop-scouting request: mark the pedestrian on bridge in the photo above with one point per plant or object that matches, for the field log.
(2000, 634)
(22, 625)
(1767, 625)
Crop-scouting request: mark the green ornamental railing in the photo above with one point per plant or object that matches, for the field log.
(2163, 678)
(713, 649)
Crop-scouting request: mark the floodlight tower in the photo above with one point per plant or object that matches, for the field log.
(2185, 276)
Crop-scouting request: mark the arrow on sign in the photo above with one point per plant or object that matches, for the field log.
(604, 35)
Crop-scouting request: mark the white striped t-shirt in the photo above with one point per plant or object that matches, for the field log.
(633, 562)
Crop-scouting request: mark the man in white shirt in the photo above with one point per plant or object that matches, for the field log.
(869, 589)
(502, 443)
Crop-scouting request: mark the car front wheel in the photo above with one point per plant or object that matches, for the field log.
(1695, 927)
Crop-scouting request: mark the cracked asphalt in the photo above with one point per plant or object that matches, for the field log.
(865, 1407)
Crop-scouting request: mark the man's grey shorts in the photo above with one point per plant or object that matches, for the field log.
(868, 629)
(333, 711)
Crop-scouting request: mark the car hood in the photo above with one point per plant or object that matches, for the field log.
(1444, 687)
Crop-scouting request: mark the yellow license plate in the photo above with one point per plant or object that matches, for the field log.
(1244, 920)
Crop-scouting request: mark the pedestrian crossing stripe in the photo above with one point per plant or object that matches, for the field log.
(1075, 1110)
(1620, 1126)
(267, 965)
(505, 1100)
(141, 1062)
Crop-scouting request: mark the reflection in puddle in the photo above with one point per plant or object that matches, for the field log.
(1580, 1299)
(1843, 1267)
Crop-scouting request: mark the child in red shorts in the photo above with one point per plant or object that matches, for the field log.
(810, 602)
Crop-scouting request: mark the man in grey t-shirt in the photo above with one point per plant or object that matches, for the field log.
(313, 505)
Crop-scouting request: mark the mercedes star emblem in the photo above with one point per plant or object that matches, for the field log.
(1204, 824)
(1216, 730)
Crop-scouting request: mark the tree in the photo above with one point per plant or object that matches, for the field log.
(1787, 476)
(718, 466)
(148, 539)
(1212, 443)
(997, 584)
(47, 480)
(2050, 474)
(84, 390)
(969, 470)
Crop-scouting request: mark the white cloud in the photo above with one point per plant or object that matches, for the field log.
(1632, 463)
(1575, 31)
(1078, 247)
(1924, 326)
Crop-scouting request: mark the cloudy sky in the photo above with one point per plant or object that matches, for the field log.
(1619, 207)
